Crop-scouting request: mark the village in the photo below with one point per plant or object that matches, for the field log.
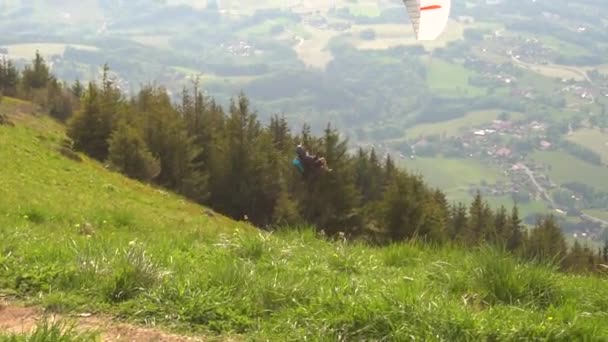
(505, 145)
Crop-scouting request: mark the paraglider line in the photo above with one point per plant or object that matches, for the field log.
(430, 7)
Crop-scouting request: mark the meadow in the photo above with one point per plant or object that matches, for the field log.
(458, 126)
(566, 168)
(27, 51)
(450, 79)
(453, 175)
(78, 238)
(593, 139)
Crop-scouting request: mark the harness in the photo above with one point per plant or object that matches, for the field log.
(298, 164)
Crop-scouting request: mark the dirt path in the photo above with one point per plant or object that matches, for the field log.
(538, 186)
(18, 319)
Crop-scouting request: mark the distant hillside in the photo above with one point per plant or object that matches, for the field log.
(77, 238)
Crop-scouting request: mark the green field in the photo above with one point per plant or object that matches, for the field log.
(265, 27)
(445, 78)
(28, 51)
(456, 127)
(451, 174)
(593, 139)
(364, 10)
(312, 50)
(82, 239)
(391, 35)
(566, 168)
(564, 48)
(601, 214)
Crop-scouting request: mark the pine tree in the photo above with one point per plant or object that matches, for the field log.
(9, 78)
(514, 231)
(546, 241)
(129, 154)
(166, 136)
(89, 128)
(402, 208)
(280, 134)
(480, 222)
(333, 197)
(35, 77)
(362, 175)
(434, 225)
(77, 89)
(389, 170)
(238, 181)
(376, 177)
(59, 102)
(500, 236)
(458, 224)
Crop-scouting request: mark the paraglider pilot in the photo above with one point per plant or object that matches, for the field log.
(306, 162)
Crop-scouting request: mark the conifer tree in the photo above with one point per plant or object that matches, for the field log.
(376, 176)
(389, 169)
(500, 233)
(9, 78)
(77, 89)
(480, 222)
(37, 75)
(166, 136)
(332, 198)
(402, 207)
(514, 231)
(458, 221)
(129, 154)
(59, 102)
(546, 241)
(362, 175)
(89, 128)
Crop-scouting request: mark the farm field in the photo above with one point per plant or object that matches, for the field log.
(27, 51)
(391, 35)
(312, 50)
(457, 127)
(450, 79)
(593, 139)
(453, 175)
(566, 168)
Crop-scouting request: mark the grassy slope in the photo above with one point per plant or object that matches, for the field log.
(155, 257)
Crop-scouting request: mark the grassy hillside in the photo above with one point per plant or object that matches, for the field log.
(77, 238)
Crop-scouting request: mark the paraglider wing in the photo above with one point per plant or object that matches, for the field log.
(429, 17)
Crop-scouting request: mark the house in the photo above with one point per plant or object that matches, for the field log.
(503, 152)
(544, 144)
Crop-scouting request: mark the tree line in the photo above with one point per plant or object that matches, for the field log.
(228, 160)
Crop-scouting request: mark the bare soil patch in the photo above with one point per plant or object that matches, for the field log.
(19, 319)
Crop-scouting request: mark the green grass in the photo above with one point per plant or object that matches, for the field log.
(28, 51)
(593, 139)
(445, 78)
(601, 214)
(46, 331)
(264, 28)
(566, 168)
(364, 10)
(457, 126)
(77, 238)
(564, 48)
(453, 174)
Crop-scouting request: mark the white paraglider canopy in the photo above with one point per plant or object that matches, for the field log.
(429, 17)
